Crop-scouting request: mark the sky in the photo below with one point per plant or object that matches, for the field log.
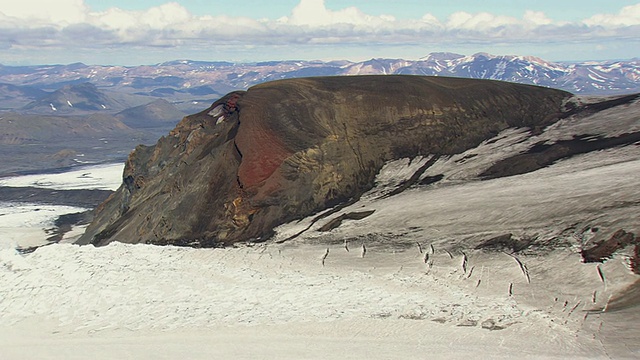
(126, 32)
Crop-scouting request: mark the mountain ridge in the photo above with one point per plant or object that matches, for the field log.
(590, 77)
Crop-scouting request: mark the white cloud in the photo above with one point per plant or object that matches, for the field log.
(36, 12)
(314, 13)
(165, 16)
(479, 22)
(536, 18)
(628, 16)
(70, 23)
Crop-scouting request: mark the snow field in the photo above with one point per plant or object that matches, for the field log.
(127, 291)
(101, 177)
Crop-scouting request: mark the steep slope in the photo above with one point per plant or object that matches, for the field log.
(286, 149)
(571, 185)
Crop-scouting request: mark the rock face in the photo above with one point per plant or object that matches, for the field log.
(286, 149)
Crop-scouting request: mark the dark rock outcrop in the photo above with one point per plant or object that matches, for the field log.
(604, 250)
(286, 149)
(542, 154)
(334, 223)
(506, 242)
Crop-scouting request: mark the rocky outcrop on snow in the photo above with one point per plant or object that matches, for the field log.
(287, 149)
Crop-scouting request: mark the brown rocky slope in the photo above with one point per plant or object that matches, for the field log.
(286, 149)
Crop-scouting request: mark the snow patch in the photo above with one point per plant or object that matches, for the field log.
(216, 111)
(102, 177)
(24, 224)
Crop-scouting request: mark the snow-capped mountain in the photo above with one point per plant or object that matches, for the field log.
(187, 81)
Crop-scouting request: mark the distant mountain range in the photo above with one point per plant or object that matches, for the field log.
(187, 84)
(82, 104)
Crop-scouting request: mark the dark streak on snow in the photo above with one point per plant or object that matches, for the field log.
(542, 154)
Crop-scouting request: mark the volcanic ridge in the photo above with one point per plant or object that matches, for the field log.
(287, 149)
